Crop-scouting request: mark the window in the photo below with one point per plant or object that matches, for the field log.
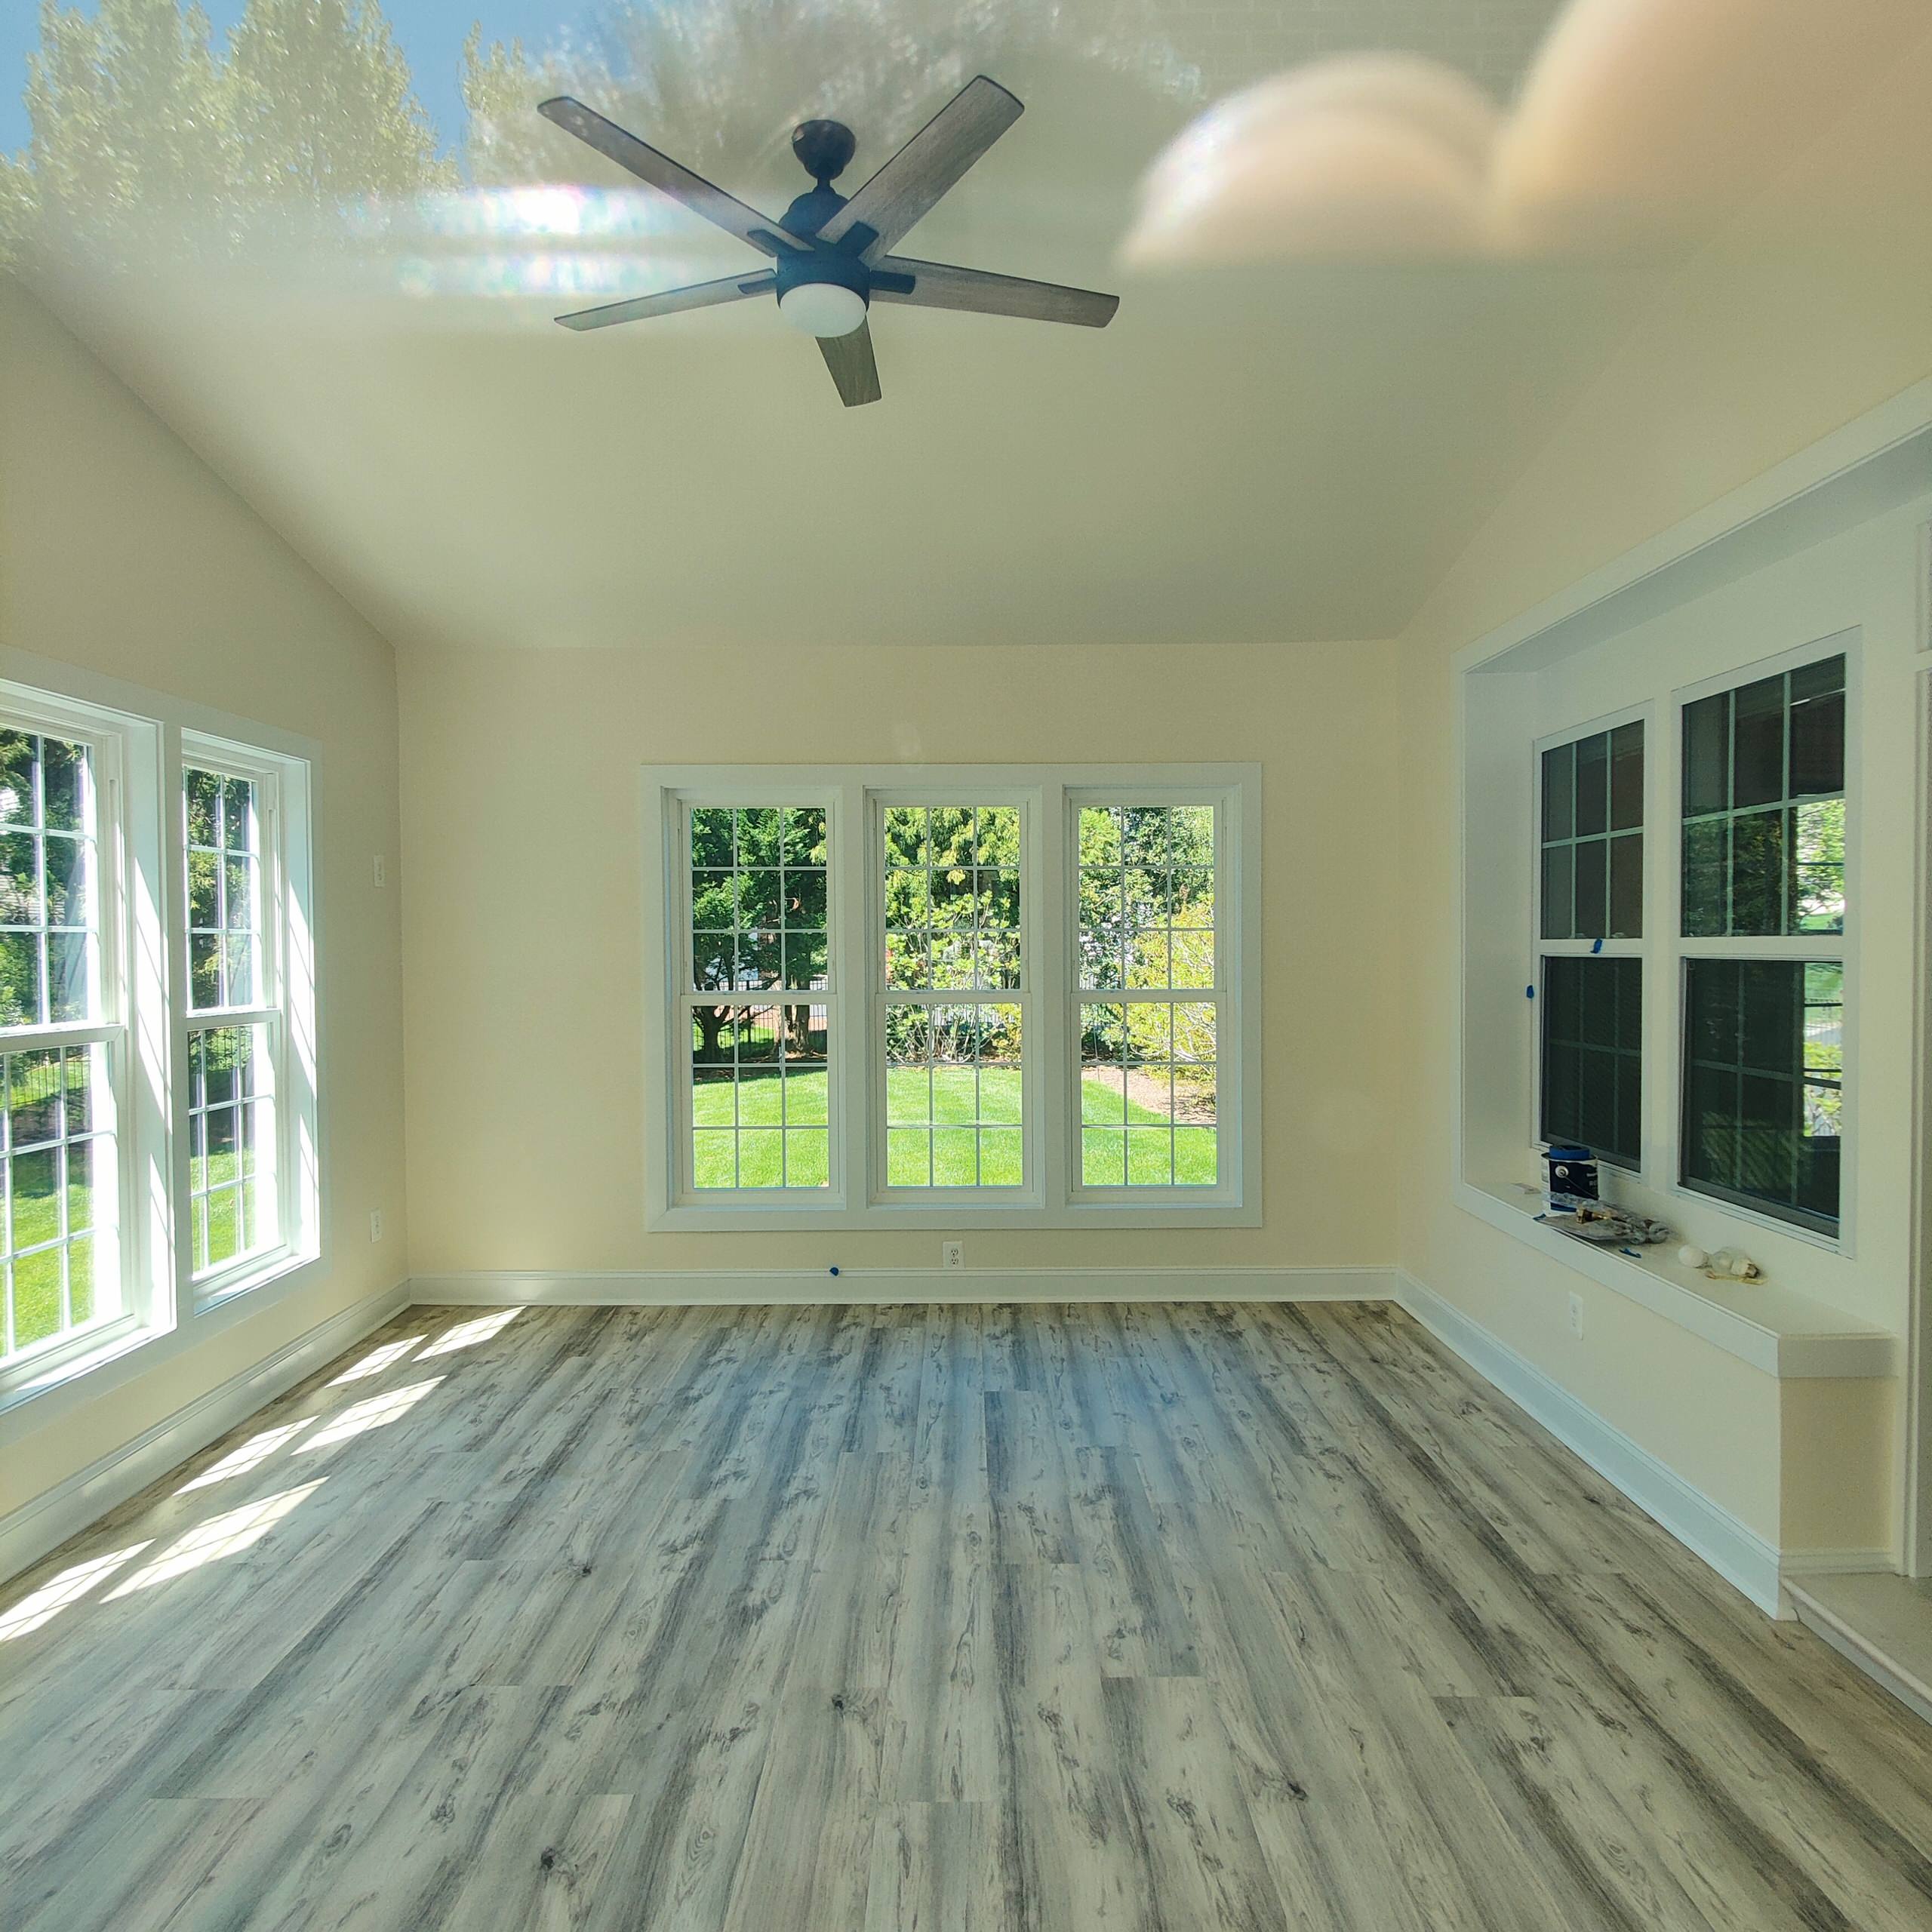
(158, 1143)
(1592, 1055)
(60, 1048)
(758, 1013)
(235, 1021)
(1763, 918)
(951, 1051)
(1590, 920)
(1021, 994)
(1146, 942)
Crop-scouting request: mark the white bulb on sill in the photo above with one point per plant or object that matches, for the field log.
(1692, 1256)
(822, 308)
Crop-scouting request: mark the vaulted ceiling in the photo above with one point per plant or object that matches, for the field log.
(1270, 453)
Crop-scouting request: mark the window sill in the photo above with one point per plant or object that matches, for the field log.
(788, 1218)
(262, 1272)
(28, 1381)
(1772, 1328)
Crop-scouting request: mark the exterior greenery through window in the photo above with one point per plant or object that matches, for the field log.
(1765, 901)
(759, 938)
(56, 1130)
(954, 1087)
(1146, 941)
(1013, 991)
(231, 1087)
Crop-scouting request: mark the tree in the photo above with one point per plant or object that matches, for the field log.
(141, 134)
(322, 106)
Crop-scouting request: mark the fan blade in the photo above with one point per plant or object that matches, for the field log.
(927, 165)
(940, 285)
(850, 358)
(673, 301)
(669, 176)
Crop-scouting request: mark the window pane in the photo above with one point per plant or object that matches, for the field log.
(1764, 834)
(1757, 775)
(59, 1193)
(1626, 886)
(231, 1128)
(1147, 1094)
(1593, 785)
(1559, 767)
(223, 889)
(1626, 777)
(952, 1095)
(1559, 917)
(761, 1115)
(49, 966)
(1764, 1084)
(1592, 888)
(1592, 1049)
(760, 900)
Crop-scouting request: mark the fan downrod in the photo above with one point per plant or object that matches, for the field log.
(824, 148)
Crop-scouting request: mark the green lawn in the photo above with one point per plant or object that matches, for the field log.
(1132, 1151)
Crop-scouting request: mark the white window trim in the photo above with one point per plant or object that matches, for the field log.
(856, 1198)
(1664, 950)
(159, 1319)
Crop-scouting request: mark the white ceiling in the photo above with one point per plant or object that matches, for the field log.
(1268, 455)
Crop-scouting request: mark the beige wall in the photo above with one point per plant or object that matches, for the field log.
(1747, 358)
(521, 848)
(120, 552)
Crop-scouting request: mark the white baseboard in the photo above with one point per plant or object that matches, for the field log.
(29, 1532)
(1741, 1556)
(752, 1287)
(1839, 1563)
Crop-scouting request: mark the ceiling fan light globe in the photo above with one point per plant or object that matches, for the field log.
(822, 308)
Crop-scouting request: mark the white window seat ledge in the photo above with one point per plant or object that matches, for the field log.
(1772, 1327)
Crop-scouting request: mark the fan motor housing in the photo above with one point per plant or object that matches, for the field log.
(823, 264)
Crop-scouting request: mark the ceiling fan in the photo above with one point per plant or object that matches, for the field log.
(832, 256)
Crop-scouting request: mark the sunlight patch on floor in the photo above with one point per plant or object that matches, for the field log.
(251, 1454)
(377, 1360)
(45, 1604)
(372, 1412)
(220, 1535)
(467, 1334)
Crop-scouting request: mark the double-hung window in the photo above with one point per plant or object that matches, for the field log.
(247, 1077)
(1751, 955)
(1763, 943)
(63, 1032)
(157, 1145)
(1591, 924)
(1019, 993)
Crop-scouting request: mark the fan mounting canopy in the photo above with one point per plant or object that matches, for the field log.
(824, 149)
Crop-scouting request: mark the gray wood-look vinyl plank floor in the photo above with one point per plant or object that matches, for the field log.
(1135, 1618)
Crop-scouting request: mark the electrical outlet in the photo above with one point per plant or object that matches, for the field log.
(375, 1224)
(1577, 1316)
(952, 1254)
(381, 869)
